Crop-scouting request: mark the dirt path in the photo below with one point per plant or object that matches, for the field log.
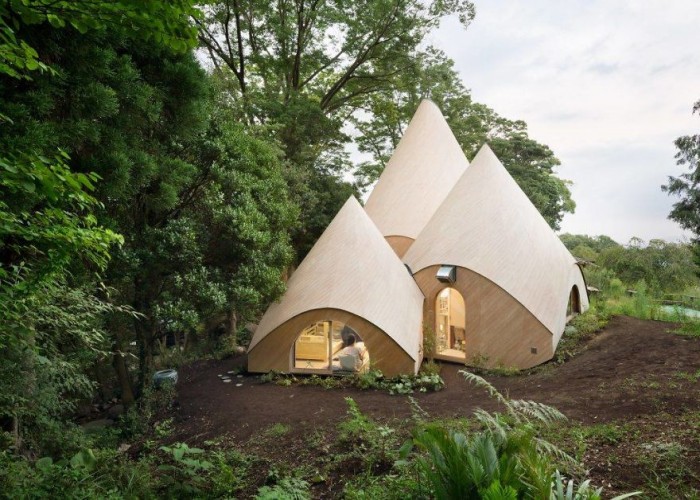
(633, 368)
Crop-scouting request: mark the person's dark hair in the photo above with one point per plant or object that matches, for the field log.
(351, 339)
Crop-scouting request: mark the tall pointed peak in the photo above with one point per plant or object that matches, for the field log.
(423, 169)
(485, 154)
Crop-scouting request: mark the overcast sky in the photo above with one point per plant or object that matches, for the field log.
(608, 85)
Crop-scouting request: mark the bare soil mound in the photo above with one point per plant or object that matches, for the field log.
(631, 369)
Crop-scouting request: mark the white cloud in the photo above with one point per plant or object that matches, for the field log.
(607, 85)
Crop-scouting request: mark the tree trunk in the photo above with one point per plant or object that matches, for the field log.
(233, 325)
(144, 328)
(145, 338)
(122, 372)
(16, 437)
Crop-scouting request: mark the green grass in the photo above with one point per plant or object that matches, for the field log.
(277, 430)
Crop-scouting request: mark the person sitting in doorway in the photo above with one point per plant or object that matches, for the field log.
(352, 349)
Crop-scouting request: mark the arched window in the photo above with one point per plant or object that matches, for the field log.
(574, 305)
(450, 323)
(328, 346)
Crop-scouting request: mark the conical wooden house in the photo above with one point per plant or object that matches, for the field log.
(423, 169)
(484, 274)
(351, 282)
(499, 284)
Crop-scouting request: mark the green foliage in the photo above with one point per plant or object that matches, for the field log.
(368, 445)
(597, 244)
(581, 329)
(567, 490)
(178, 471)
(184, 469)
(285, 489)
(689, 328)
(430, 368)
(401, 482)
(407, 384)
(277, 430)
(425, 381)
(229, 473)
(87, 474)
(506, 459)
(429, 342)
(141, 419)
(166, 22)
(303, 79)
(665, 267)
(43, 370)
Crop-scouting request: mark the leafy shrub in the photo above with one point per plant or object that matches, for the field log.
(88, 474)
(615, 289)
(372, 379)
(406, 384)
(402, 482)
(185, 469)
(564, 490)
(369, 444)
(228, 474)
(139, 419)
(286, 489)
(689, 328)
(430, 367)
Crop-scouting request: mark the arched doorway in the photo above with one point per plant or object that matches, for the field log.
(450, 323)
(323, 346)
(574, 305)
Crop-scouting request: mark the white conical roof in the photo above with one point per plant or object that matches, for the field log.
(352, 267)
(421, 172)
(488, 224)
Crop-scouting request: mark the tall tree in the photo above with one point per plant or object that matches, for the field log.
(302, 67)
(51, 243)
(201, 203)
(686, 186)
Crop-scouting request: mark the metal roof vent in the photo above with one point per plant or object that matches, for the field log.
(447, 274)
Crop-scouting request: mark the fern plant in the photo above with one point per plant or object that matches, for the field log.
(505, 460)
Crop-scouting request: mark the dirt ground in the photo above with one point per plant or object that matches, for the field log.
(632, 371)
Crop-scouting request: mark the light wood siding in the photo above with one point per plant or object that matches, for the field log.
(274, 352)
(424, 167)
(500, 331)
(400, 244)
(487, 224)
(350, 268)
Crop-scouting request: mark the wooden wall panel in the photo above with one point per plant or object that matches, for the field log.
(499, 329)
(274, 352)
(400, 244)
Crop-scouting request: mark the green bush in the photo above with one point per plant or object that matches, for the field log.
(285, 489)
(366, 443)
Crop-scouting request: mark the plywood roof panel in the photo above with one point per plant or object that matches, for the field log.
(488, 224)
(423, 169)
